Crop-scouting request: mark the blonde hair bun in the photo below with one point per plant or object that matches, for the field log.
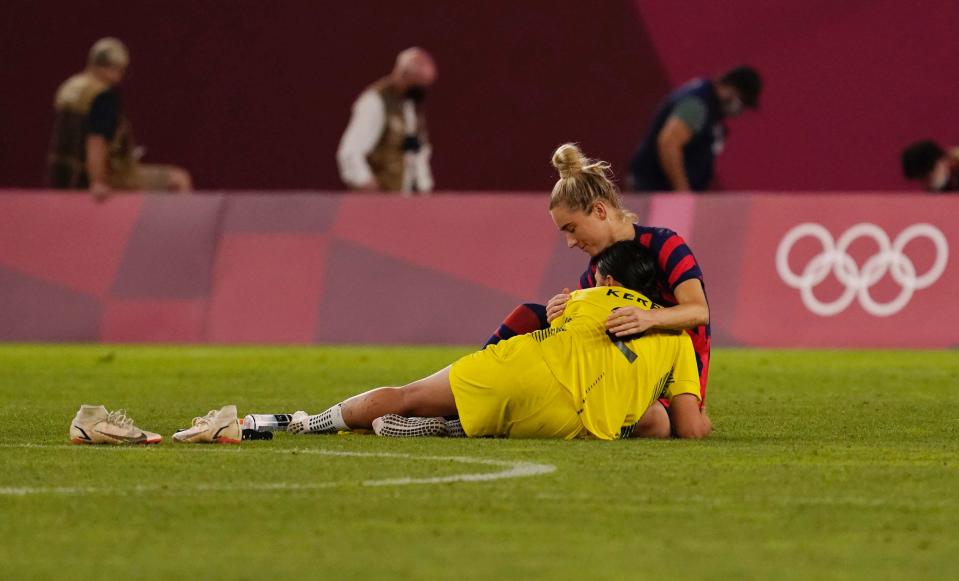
(569, 160)
(583, 182)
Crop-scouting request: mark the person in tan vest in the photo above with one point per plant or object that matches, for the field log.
(92, 145)
(385, 147)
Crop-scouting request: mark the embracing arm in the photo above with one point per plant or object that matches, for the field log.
(692, 311)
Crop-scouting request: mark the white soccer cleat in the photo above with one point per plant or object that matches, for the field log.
(299, 423)
(93, 424)
(216, 427)
(396, 426)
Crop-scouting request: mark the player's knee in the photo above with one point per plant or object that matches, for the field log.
(654, 423)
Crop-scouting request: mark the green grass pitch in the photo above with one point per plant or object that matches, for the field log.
(823, 465)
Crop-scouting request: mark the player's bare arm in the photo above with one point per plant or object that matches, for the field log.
(691, 312)
(687, 419)
(671, 140)
(96, 165)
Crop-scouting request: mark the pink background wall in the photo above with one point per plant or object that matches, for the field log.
(254, 95)
(282, 268)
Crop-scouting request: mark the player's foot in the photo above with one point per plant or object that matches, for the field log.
(329, 421)
(298, 423)
(456, 428)
(93, 424)
(395, 426)
(216, 427)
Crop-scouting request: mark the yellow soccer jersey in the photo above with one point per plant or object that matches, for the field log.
(613, 382)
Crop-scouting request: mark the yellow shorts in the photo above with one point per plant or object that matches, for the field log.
(508, 390)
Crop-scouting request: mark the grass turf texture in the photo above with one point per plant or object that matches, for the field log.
(823, 465)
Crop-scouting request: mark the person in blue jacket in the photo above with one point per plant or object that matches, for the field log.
(688, 131)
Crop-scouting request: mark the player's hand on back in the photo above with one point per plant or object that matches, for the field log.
(557, 305)
(630, 321)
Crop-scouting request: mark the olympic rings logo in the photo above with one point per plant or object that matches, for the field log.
(834, 259)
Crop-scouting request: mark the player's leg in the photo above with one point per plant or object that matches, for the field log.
(525, 318)
(429, 397)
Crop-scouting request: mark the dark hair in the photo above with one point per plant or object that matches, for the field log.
(746, 81)
(631, 265)
(919, 158)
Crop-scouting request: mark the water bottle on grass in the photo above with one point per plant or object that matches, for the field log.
(267, 422)
(262, 426)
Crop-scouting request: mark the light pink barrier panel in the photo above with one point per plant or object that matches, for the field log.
(783, 271)
(833, 271)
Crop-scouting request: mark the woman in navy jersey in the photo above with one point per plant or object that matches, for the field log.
(586, 207)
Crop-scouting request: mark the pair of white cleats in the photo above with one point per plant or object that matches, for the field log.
(93, 424)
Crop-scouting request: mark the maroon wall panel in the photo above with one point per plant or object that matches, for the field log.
(255, 95)
(848, 84)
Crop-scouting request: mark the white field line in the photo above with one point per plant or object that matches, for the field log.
(511, 469)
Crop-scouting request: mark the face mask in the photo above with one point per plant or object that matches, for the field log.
(416, 93)
(940, 178)
(732, 107)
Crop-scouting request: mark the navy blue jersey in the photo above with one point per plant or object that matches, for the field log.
(674, 261)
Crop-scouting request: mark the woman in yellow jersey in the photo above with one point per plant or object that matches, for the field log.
(571, 380)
